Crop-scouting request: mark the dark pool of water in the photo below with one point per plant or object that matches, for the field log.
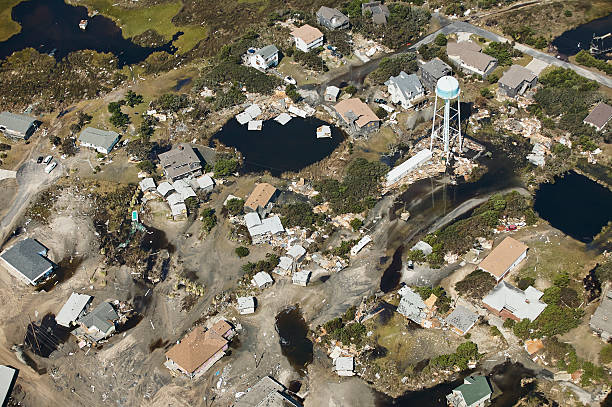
(46, 336)
(51, 26)
(393, 273)
(575, 205)
(277, 148)
(181, 83)
(572, 41)
(64, 270)
(295, 345)
(154, 240)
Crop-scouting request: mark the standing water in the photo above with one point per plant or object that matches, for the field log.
(295, 345)
(573, 41)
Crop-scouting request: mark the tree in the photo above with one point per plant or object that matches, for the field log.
(300, 214)
(235, 206)
(476, 284)
(209, 219)
(440, 40)
(226, 166)
(292, 92)
(172, 102)
(146, 166)
(521, 329)
(356, 224)
(392, 66)
(381, 113)
(146, 130)
(68, 147)
(350, 89)
(132, 98)
(242, 251)
(416, 256)
(115, 107)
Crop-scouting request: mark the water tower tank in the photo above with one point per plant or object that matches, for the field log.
(447, 88)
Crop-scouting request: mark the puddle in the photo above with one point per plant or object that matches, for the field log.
(159, 343)
(64, 270)
(45, 337)
(323, 278)
(392, 275)
(180, 83)
(130, 323)
(295, 345)
(155, 240)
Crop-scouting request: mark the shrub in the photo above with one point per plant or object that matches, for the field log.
(350, 89)
(293, 94)
(503, 51)
(235, 206)
(242, 251)
(494, 331)
(416, 256)
(146, 166)
(209, 219)
(521, 329)
(132, 98)
(440, 40)
(392, 66)
(172, 102)
(300, 214)
(525, 282)
(356, 224)
(381, 113)
(310, 60)
(476, 284)
(605, 355)
(226, 166)
(509, 323)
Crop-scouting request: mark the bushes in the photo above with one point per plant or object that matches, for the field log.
(232, 97)
(428, 52)
(171, 102)
(476, 284)
(268, 264)
(235, 206)
(146, 166)
(344, 248)
(300, 214)
(381, 113)
(605, 355)
(344, 330)
(586, 59)
(356, 224)
(242, 251)
(443, 301)
(292, 92)
(503, 51)
(231, 72)
(310, 60)
(465, 352)
(209, 219)
(392, 66)
(118, 118)
(440, 40)
(357, 191)
(132, 98)
(225, 167)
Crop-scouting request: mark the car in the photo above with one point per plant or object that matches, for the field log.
(50, 167)
(290, 80)
(39, 159)
(48, 159)
(383, 101)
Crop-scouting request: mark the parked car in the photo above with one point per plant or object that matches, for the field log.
(290, 80)
(48, 159)
(39, 159)
(383, 101)
(50, 167)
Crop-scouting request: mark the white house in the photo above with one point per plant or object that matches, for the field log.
(301, 278)
(405, 89)
(262, 280)
(264, 58)
(344, 366)
(102, 141)
(307, 38)
(73, 309)
(246, 305)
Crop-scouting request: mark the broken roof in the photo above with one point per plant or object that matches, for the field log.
(147, 184)
(502, 257)
(72, 309)
(600, 115)
(285, 263)
(180, 161)
(332, 15)
(266, 393)
(515, 76)
(196, 348)
(102, 317)
(246, 302)
(221, 327)
(355, 110)
(175, 198)
(301, 277)
(178, 209)
(182, 187)
(262, 278)
(261, 195)
(296, 251)
(332, 91)
(462, 319)
(28, 258)
(345, 363)
(283, 118)
(307, 33)
(412, 305)
(522, 304)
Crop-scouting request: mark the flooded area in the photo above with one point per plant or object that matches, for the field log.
(295, 345)
(573, 41)
(576, 205)
(277, 148)
(392, 274)
(52, 27)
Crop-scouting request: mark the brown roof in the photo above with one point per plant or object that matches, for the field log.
(470, 54)
(514, 76)
(455, 48)
(221, 327)
(196, 348)
(600, 115)
(533, 346)
(260, 196)
(362, 111)
(502, 257)
(431, 301)
(307, 33)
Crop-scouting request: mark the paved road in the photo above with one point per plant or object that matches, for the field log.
(461, 26)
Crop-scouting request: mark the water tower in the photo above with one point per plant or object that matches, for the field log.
(446, 119)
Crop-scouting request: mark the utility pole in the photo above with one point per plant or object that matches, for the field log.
(34, 333)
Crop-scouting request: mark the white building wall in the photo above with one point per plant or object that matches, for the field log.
(302, 46)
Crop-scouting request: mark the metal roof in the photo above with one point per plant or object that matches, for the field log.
(246, 302)
(28, 257)
(72, 309)
(522, 304)
(266, 393)
(345, 363)
(462, 319)
(474, 388)
(146, 184)
(8, 375)
(19, 123)
(296, 251)
(262, 278)
(301, 277)
(205, 181)
(105, 139)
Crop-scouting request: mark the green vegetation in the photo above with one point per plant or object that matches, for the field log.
(209, 219)
(466, 352)
(494, 331)
(82, 120)
(140, 149)
(605, 354)
(441, 40)
(171, 101)
(357, 191)
(564, 356)
(503, 51)
(476, 284)
(8, 27)
(356, 224)
(339, 39)
(268, 264)
(416, 256)
(443, 301)
(526, 35)
(300, 214)
(118, 118)
(226, 166)
(392, 66)
(146, 166)
(403, 24)
(292, 92)
(242, 251)
(344, 248)
(132, 98)
(28, 76)
(428, 52)
(344, 330)
(459, 236)
(235, 206)
(381, 113)
(350, 89)
(586, 59)
(509, 323)
(155, 17)
(311, 60)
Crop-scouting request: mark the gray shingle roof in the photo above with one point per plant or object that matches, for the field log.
(409, 85)
(180, 161)
(436, 68)
(600, 115)
(514, 76)
(27, 256)
(601, 319)
(103, 317)
(99, 138)
(462, 318)
(412, 305)
(267, 51)
(19, 123)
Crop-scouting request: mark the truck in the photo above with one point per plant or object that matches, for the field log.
(50, 167)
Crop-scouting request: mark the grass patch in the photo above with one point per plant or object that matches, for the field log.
(134, 21)
(8, 27)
